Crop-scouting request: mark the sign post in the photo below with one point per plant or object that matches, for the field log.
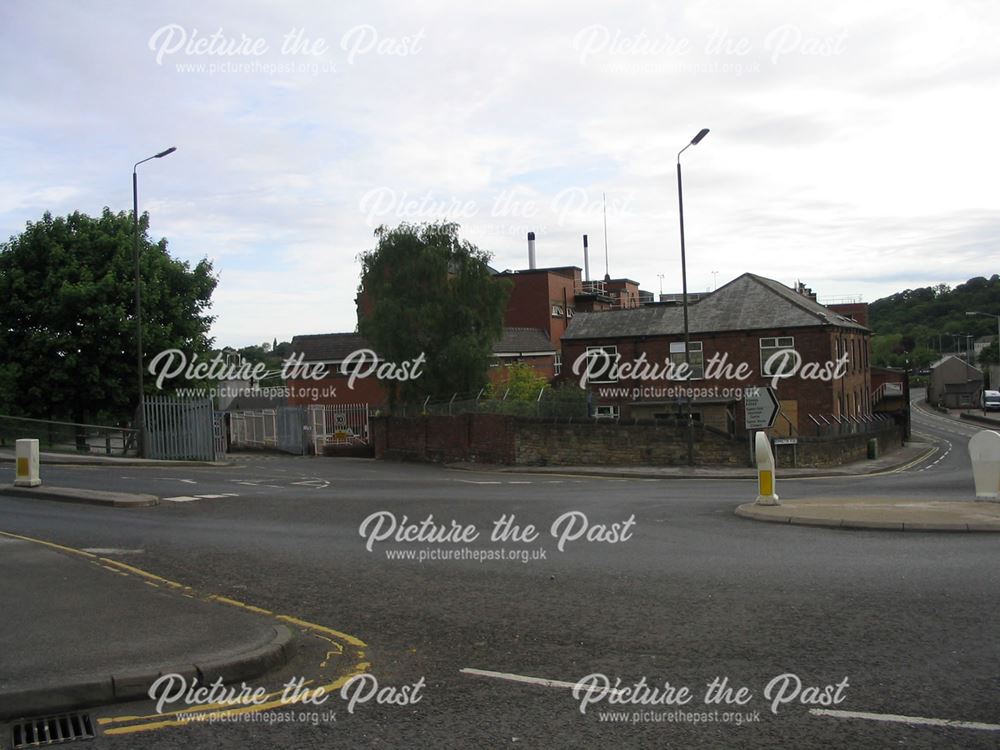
(761, 407)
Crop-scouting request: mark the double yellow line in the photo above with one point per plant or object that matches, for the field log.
(339, 644)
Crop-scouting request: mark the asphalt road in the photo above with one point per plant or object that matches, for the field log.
(693, 593)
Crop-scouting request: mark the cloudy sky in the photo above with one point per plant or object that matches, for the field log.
(853, 145)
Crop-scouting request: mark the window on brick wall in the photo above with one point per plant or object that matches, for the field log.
(609, 411)
(696, 358)
(771, 346)
(557, 311)
(557, 364)
(599, 362)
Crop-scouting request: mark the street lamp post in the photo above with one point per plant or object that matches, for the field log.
(140, 422)
(684, 287)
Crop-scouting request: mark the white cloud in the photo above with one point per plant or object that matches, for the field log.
(851, 144)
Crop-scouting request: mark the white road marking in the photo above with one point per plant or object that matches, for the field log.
(940, 458)
(520, 482)
(315, 483)
(473, 481)
(917, 720)
(191, 498)
(527, 680)
(913, 720)
(113, 551)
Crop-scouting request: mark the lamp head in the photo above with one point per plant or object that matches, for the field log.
(701, 134)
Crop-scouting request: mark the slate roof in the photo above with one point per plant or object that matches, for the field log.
(747, 303)
(334, 347)
(328, 347)
(522, 341)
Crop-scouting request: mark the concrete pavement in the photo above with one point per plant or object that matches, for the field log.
(82, 630)
(875, 513)
(90, 497)
(912, 452)
(95, 459)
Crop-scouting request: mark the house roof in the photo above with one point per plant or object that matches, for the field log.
(523, 340)
(747, 303)
(328, 347)
(949, 358)
(335, 347)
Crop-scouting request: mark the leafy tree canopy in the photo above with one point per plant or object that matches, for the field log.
(426, 291)
(67, 314)
(930, 321)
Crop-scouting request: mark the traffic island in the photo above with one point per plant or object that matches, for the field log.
(88, 497)
(880, 514)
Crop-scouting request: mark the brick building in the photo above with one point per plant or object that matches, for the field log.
(751, 321)
(529, 345)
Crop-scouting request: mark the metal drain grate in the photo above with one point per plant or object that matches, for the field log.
(52, 730)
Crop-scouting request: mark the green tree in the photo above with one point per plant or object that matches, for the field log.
(67, 325)
(922, 357)
(431, 293)
(520, 382)
(988, 356)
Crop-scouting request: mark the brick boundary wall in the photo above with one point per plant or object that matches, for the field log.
(507, 440)
(823, 452)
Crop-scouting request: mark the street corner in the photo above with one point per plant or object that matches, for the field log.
(880, 514)
(140, 647)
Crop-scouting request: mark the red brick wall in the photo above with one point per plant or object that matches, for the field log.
(813, 344)
(857, 311)
(485, 438)
(531, 299)
(366, 391)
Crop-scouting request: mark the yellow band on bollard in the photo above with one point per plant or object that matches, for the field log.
(22, 467)
(765, 481)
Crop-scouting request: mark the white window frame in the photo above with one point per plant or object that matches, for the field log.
(676, 352)
(772, 345)
(607, 411)
(557, 364)
(608, 350)
(557, 311)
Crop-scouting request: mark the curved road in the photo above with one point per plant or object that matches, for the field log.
(691, 595)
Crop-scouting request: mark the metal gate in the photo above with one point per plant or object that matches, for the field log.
(280, 429)
(180, 429)
(343, 424)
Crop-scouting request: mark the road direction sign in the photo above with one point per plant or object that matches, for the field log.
(761, 407)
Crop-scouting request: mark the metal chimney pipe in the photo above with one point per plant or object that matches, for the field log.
(531, 250)
(586, 260)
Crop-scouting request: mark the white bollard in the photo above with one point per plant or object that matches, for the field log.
(984, 450)
(765, 471)
(26, 455)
